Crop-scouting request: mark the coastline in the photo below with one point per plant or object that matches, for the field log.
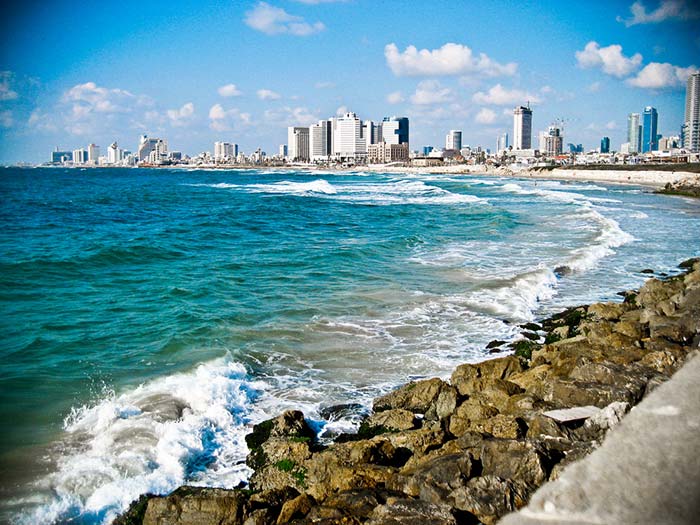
(475, 448)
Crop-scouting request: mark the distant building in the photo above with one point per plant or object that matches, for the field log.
(649, 129)
(605, 145)
(60, 157)
(522, 128)
(93, 153)
(320, 142)
(348, 142)
(634, 132)
(502, 142)
(395, 130)
(114, 154)
(383, 153)
(225, 151)
(283, 150)
(371, 132)
(691, 126)
(551, 141)
(575, 148)
(298, 144)
(148, 146)
(80, 156)
(427, 150)
(453, 139)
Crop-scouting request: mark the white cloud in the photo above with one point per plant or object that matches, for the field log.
(41, 121)
(91, 98)
(485, 116)
(324, 85)
(430, 92)
(181, 117)
(273, 20)
(6, 92)
(594, 87)
(450, 59)
(667, 10)
(500, 96)
(291, 116)
(229, 90)
(610, 59)
(341, 110)
(267, 94)
(221, 119)
(395, 98)
(611, 125)
(656, 75)
(6, 119)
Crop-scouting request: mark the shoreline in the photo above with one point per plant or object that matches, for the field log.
(474, 448)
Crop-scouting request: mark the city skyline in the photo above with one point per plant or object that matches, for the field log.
(242, 72)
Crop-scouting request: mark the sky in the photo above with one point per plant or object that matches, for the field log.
(195, 72)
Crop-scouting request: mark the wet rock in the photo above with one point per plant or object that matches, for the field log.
(416, 397)
(495, 343)
(471, 378)
(395, 419)
(196, 506)
(342, 411)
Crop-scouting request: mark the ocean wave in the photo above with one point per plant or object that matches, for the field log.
(187, 427)
(555, 195)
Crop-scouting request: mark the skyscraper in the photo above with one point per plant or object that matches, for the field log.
(522, 128)
(298, 143)
(225, 151)
(551, 141)
(93, 153)
(395, 130)
(453, 140)
(320, 140)
(502, 142)
(634, 133)
(605, 145)
(691, 126)
(649, 129)
(348, 141)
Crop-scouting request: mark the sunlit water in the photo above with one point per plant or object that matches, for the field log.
(150, 317)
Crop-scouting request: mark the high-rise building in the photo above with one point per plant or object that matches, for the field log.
(605, 145)
(453, 140)
(93, 153)
(634, 132)
(320, 140)
(502, 142)
(649, 129)
(551, 141)
(371, 132)
(691, 126)
(348, 141)
(283, 150)
(298, 143)
(225, 151)
(79, 156)
(395, 130)
(59, 157)
(147, 146)
(522, 128)
(114, 154)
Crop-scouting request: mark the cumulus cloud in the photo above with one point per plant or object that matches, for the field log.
(268, 94)
(6, 92)
(500, 96)
(41, 121)
(667, 10)
(221, 119)
(430, 92)
(594, 87)
(273, 20)
(485, 116)
(656, 75)
(450, 59)
(229, 90)
(181, 117)
(395, 98)
(91, 98)
(291, 116)
(341, 110)
(610, 59)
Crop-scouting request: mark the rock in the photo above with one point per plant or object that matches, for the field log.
(532, 327)
(608, 417)
(416, 397)
(196, 506)
(295, 508)
(342, 411)
(501, 426)
(520, 460)
(396, 419)
(471, 378)
(495, 343)
(290, 424)
(469, 411)
(646, 270)
(401, 511)
(488, 497)
(434, 479)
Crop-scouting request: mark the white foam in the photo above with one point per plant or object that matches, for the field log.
(153, 439)
(321, 186)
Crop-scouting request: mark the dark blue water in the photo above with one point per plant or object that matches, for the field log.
(149, 317)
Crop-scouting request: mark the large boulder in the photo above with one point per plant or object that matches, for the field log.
(471, 378)
(196, 506)
(416, 396)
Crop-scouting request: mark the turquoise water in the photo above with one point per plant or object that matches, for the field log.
(149, 317)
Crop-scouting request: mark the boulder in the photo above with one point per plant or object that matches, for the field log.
(520, 460)
(295, 508)
(471, 378)
(489, 497)
(403, 511)
(196, 506)
(395, 419)
(435, 479)
(416, 397)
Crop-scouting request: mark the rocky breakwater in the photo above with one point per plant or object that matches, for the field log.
(469, 450)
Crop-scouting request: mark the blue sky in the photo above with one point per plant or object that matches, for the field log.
(199, 71)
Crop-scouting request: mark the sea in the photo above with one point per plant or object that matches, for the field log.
(150, 317)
